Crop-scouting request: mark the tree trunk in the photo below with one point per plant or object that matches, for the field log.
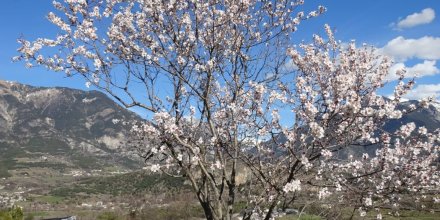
(207, 210)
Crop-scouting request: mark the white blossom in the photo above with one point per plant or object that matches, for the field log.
(155, 168)
(293, 186)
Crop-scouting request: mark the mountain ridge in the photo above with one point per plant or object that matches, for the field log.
(54, 121)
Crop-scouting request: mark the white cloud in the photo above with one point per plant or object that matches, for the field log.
(401, 49)
(401, 99)
(427, 68)
(424, 91)
(290, 66)
(426, 16)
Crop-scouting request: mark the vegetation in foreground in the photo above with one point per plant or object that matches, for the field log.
(181, 210)
(143, 195)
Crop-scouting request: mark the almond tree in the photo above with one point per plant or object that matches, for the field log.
(239, 111)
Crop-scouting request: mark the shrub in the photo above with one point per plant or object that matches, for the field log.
(14, 213)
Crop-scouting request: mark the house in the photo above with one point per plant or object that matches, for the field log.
(62, 218)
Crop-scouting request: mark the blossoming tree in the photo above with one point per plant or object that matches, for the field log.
(239, 111)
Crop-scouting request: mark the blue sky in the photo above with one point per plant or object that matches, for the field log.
(408, 30)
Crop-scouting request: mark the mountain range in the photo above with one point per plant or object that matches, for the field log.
(75, 127)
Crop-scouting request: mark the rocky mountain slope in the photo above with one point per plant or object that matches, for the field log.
(422, 117)
(62, 124)
(427, 117)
